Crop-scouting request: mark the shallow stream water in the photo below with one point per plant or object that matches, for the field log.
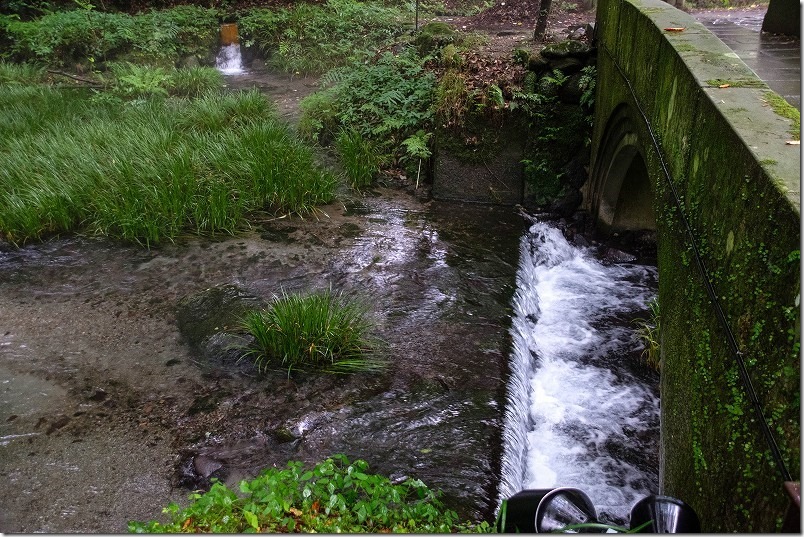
(103, 406)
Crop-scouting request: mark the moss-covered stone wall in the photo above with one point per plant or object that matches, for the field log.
(738, 179)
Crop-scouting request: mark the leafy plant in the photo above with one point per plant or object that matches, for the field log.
(311, 38)
(140, 80)
(385, 101)
(587, 85)
(316, 332)
(335, 496)
(417, 148)
(648, 333)
(550, 83)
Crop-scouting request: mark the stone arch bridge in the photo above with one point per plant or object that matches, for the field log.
(690, 143)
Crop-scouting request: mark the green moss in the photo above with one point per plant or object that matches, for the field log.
(736, 83)
(563, 49)
(434, 35)
(786, 110)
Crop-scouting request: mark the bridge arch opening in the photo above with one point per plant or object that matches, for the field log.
(624, 196)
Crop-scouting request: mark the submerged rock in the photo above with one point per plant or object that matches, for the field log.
(217, 309)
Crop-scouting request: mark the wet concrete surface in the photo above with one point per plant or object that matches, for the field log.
(103, 406)
(776, 59)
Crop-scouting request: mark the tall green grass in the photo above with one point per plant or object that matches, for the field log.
(148, 170)
(316, 332)
(360, 158)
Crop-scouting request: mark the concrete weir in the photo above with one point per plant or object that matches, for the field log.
(688, 141)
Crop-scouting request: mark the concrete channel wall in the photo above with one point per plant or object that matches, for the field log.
(672, 100)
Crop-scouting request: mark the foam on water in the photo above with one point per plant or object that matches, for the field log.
(576, 416)
(229, 61)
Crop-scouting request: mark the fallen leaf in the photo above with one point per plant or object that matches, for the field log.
(793, 142)
(294, 511)
(186, 523)
(724, 85)
(674, 29)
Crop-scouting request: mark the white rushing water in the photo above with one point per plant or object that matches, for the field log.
(576, 415)
(229, 61)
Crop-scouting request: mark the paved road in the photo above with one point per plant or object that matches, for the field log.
(775, 59)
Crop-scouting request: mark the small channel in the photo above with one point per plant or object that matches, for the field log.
(583, 409)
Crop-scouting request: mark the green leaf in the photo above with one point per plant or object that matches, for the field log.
(251, 519)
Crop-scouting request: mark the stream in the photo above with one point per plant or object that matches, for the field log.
(108, 411)
(107, 414)
(583, 409)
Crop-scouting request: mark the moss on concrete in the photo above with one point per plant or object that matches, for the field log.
(786, 110)
(738, 185)
(736, 83)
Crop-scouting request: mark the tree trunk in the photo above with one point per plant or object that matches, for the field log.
(541, 22)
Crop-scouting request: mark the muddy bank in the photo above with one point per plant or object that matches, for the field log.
(106, 414)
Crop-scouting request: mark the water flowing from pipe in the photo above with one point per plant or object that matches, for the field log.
(229, 60)
(579, 413)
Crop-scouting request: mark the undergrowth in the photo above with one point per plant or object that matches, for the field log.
(335, 496)
(385, 103)
(310, 38)
(147, 170)
(87, 36)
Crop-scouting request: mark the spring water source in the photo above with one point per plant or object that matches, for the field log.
(582, 411)
(229, 60)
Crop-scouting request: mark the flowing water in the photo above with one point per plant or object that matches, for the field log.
(229, 61)
(582, 411)
(106, 414)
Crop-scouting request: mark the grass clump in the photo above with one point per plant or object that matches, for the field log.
(360, 158)
(20, 73)
(310, 38)
(336, 496)
(130, 80)
(648, 334)
(147, 170)
(316, 332)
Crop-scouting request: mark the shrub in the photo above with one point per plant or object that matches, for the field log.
(336, 496)
(316, 332)
(85, 35)
(315, 38)
(386, 101)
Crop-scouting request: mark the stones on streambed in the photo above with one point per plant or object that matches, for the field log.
(209, 321)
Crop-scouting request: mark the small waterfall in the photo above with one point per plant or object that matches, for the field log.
(576, 414)
(229, 61)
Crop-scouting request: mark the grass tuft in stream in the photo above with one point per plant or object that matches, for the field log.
(317, 332)
(147, 170)
(648, 334)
